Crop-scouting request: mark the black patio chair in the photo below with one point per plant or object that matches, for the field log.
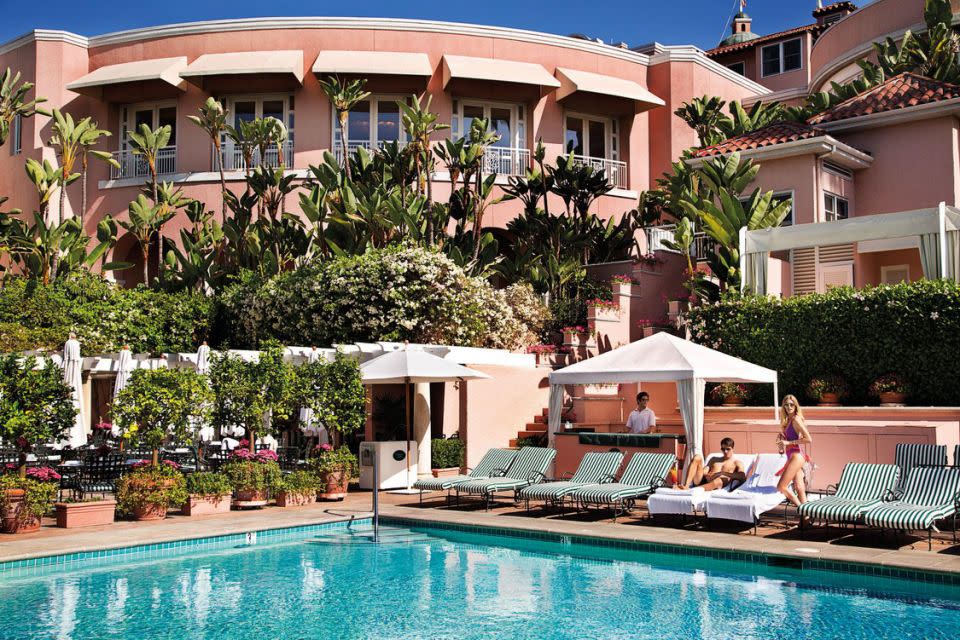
(289, 458)
(213, 456)
(99, 474)
(186, 457)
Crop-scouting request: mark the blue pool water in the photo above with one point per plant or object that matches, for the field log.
(433, 583)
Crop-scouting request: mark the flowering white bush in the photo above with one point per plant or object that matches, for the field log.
(395, 294)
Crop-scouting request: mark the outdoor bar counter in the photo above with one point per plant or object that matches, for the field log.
(572, 445)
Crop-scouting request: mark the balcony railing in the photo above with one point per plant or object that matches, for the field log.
(506, 161)
(352, 145)
(233, 157)
(615, 170)
(703, 245)
(135, 166)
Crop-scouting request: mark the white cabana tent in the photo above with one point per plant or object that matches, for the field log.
(410, 366)
(661, 358)
(937, 231)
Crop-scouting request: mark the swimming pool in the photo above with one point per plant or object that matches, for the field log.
(444, 583)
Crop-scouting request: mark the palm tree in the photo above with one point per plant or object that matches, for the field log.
(45, 178)
(420, 125)
(89, 139)
(148, 143)
(704, 115)
(67, 136)
(145, 219)
(343, 97)
(213, 120)
(13, 102)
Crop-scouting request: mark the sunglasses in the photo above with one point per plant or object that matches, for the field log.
(789, 404)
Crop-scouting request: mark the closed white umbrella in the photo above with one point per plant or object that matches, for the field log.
(206, 432)
(408, 366)
(124, 369)
(73, 377)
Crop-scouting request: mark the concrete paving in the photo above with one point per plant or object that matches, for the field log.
(775, 537)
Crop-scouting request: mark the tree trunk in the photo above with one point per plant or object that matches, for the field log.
(22, 469)
(343, 144)
(156, 457)
(83, 190)
(253, 441)
(63, 197)
(145, 251)
(223, 180)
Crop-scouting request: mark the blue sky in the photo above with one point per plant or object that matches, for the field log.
(699, 22)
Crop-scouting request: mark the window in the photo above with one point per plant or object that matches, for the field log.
(893, 274)
(371, 123)
(834, 275)
(590, 136)
(835, 208)
(505, 119)
(837, 170)
(250, 108)
(152, 115)
(738, 67)
(781, 57)
(16, 135)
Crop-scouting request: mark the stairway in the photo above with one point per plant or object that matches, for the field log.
(535, 429)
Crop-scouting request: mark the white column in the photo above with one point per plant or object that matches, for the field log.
(421, 426)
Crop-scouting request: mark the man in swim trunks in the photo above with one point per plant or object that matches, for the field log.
(717, 473)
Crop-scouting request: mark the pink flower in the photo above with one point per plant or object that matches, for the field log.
(43, 474)
(323, 447)
(103, 426)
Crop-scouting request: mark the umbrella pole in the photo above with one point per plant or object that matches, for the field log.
(409, 430)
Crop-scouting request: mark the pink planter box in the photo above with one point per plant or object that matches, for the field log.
(207, 505)
(72, 515)
(286, 499)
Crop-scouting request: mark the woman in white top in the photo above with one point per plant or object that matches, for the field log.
(642, 419)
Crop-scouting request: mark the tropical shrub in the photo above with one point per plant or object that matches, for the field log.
(35, 404)
(865, 333)
(149, 486)
(820, 386)
(38, 494)
(208, 484)
(397, 293)
(326, 459)
(447, 453)
(252, 475)
(299, 483)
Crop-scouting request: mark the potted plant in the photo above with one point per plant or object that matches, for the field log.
(208, 492)
(335, 392)
(543, 352)
(729, 394)
(25, 500)
(446, 456)
(828, 390)
(891, 389)
(251, 476)
(150, 490)
(334, 468)
(600, 309)
(89, 512)
(297, 489)
(252, 394)
(575, 336)
(622, 285)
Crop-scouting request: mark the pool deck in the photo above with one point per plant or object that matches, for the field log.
(838, 545)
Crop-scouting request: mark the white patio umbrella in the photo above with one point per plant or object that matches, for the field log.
(408, 366)
(307, 426)
(73, 377)
(205, 433)
(125, 367)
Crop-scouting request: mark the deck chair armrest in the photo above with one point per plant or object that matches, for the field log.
(891, 495)
(607, 479)
(536, 476)
(658, 481)
(832, 489)
(498, 473)
(566, 475)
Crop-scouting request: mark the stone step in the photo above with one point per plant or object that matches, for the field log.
(536, 426)
(541, 419)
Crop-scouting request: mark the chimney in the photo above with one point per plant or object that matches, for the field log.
(742, 23)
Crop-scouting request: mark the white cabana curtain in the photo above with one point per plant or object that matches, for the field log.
(930, 255)
(953, 256)
(555, 408)
(690, 394)
(756, 272)
(73, 377)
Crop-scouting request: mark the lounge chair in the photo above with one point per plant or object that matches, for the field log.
(861, 487)
(930, 494)
(493, 461)
(908, 456)
(688, 502)
(644, 473)
(956, 455)
(595, 468)
(529, 466)
(754, 498)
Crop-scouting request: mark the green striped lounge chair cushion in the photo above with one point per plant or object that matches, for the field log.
(492, 460)
(907, 456)
(929, 495)
(861, 487)
(529, 464)
(593, 469)
(643, 472)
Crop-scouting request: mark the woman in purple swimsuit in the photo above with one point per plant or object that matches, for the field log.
(793, 435)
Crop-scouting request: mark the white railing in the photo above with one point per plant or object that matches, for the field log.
(233, 157)
(703, 245)
(615, 170)
(352, 146)
(506, 161)
(135, 166)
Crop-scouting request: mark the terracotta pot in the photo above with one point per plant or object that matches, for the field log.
(72, 515)
(334, 486)
(289, 499)
(14, 521)
(206, 505)
(445, 473)
(893, 399)
(150, 512)
(829, 400)
(733, 401)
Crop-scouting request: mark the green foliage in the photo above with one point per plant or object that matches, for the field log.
(335, 461)
(251, 475)
(161, 405)
(705, 116)
(301, 483)
(208, 483)
(246, 393)
(37, 495)
(447, 453)
(35, 405)
(335, 392)
(161, 486)
(14, 102)
(911, 329)
(821, 385)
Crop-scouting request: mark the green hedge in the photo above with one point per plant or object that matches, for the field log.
(860, 334)
(446, 454)
(104, 316)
